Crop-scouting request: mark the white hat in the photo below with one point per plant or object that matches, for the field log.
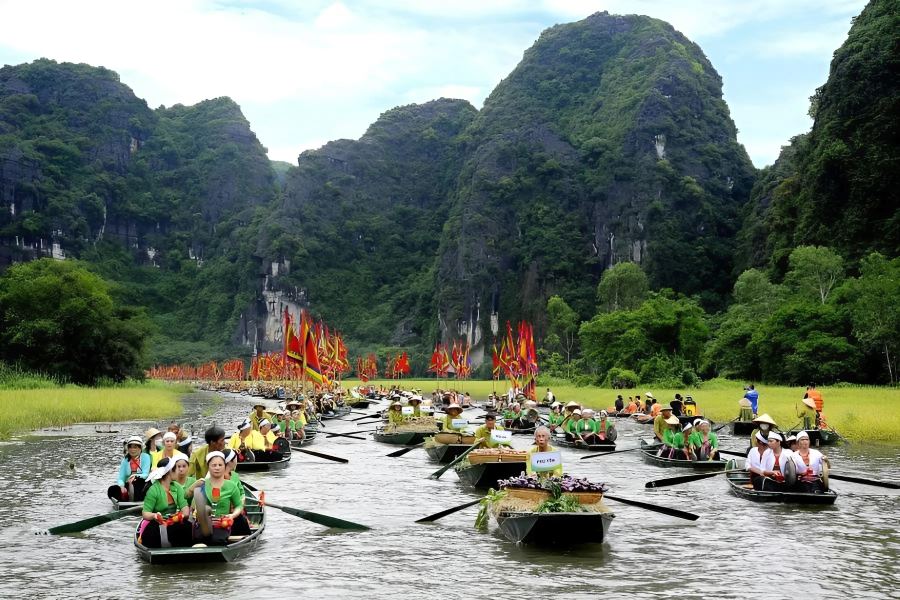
(135, 439)
(264, 423)
(276, 428)
(761, 437)
(697, 422)
(587, 411)
(245, 425)
(555, 404)
(790, 438)
(572, 404)
(453, 406)
(185, 442)
(577, 411)
(232, 455)
(802, 434)
(181, 456)
(214, 454)
(603, 413)
(774, 435)
(169, 435)
(649, 395)
(160, 471)
(515, 405)
(687, 426)
(531, 404)
(673, 420)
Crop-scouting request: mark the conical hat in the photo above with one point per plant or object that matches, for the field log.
(809, 402)
(764, 418)
(744, 403)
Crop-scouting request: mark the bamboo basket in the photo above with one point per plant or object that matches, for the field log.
(477, 459)
(454, 438)
(528, 494)
(587, 497)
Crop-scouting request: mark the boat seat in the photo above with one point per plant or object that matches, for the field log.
(235, 538)
(749, 486)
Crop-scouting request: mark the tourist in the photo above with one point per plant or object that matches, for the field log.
(165, 510)
(219, 502)
(775, 464)
(169, 449)
(764, 424)
(704, 443)
(133, 472)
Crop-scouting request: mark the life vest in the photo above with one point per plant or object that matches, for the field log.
(816, 397)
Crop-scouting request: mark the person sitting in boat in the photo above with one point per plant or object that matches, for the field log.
(754, 458)
(153, 441)
(667, 444)
(681, 445)
(606, 431)
(187, 482)
(582, 427)
(764, 424)
(572, 424)
(631, 407)
(296, 423)
(453, 414)
(133, 472)
(513, 416)
(467, 400)
(752, 397)
(555, 416)
(810, 464)
(246, 441)
(165, 510)
(777, 465)
(270, 451)
(218, 502)
(395, 413)
(258, 414)
(790, 442)
(415, 402)
(655, 408)
(185, 443)
(704, 443)
(168, 450)
(215, 441)
(619, 403)
(483, 433)
(549, 398)
(661, 423)
(542, 445)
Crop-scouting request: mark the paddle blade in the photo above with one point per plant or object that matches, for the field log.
(325, 520)
(658, 483)
(449, 511)
(403, 451)
(660, 509)
(863, 481)
(86, 524)
(437, 474)
(322, 455)
(607, 453)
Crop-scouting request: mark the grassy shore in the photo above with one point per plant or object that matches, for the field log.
(56, 406)
(856, 412)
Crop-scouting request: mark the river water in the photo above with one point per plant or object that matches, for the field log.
(736, 549)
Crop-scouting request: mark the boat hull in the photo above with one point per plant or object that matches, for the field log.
(819, 437)
(403, 438)
(737, 483)
(555, 529)
(484, 476)
(260, 466)
(648, 453)
(742, 427)
(605, 447)
(445, 453)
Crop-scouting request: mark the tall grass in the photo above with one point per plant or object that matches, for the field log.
(858, 413)
(27, 409)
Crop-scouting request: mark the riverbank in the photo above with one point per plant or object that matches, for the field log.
(24, 410)
(858, 412)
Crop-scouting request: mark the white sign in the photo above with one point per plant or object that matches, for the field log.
(458, 423)
(541, 462)
(500, 437)
(407, 410)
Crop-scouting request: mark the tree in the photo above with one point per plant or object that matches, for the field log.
(875, 311)
(814, 271)
(622, 287)
(564, 324)
(58, 318)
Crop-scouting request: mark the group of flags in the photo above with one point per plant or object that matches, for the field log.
(366, 368)
(457, 358)
(321, 354)
(517, 359)
(399, 366)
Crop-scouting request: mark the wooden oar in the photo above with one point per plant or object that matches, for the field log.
(369, 422)
(607, 453)
(86, 524)
(348, 435)
(437, 474)
(403, 451)
(311, 516)
(449, 511)
(672, 512)
(321, 455)
(657, 483)
(366, 417)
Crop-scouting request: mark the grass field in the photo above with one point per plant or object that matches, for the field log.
(27, 409)
(856, 412)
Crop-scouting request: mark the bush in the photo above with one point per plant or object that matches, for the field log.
(618, 379)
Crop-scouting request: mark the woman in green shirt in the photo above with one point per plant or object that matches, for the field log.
(187, 482)
(704, 443)
(218, 502)
(165, 510)
(395, 414)
(453, 413)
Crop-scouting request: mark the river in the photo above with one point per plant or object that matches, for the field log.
(736, 549)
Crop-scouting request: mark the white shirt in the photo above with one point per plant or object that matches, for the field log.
(768, 460)
(816, 460)
(754, 461)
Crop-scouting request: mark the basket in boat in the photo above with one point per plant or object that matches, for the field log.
(478, 457)
(527, 493)
(454, 438)
(587, 497)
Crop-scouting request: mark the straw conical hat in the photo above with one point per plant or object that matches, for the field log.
(764, 418)
(809, 402)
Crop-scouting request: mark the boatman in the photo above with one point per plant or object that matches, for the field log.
(659, 422)
(543, 459)
(765, 424)
(258, 414)
(484, 433)
(752, 395)
(215, 442)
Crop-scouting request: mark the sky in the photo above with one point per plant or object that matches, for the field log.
(309, 71)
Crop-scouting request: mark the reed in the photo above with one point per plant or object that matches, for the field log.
(859, 413)
(27, 409)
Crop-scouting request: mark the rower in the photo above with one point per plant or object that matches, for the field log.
(395, 413)
(258, 414)
(415, 402)
(765, 424)
(483, 434)
(453, 413)
(754, 458)
(543, 452)
(165, 510)
(703, 442)
(215, 441)
(775, 465)
(810, 466)
(133, 472)
(246, 440)
(661, 422)
(680, 441)
(808, 414)
(672, 427)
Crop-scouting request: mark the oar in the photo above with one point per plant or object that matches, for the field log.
(437, 474)
(672, 512)
(607, 453)
(369, 422)
(863, 481)
(403, 451)
(720, 427)
(449, 511)
(348, 435)
(685, 478)
(86, 524)
(321, 455)
(311, 516)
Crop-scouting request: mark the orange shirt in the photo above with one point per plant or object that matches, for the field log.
(655, 410)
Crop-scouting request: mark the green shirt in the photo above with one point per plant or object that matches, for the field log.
(677, 440)
(696, 440)
(448, 423)
(156, 500)
(484, 434)
(231, 496)
(669, 438)
(556, 419)
(583, 426)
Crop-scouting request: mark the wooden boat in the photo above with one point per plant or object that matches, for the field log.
(228, 553)
(555, 529)
(339, 411)
(484, 476)
(648, 453)
(444, 453)
(403, 438)
(742, 427)
(819, 437)
(606, 446)
(739, 483)
(265, 465)
(117, 505)
(361, 404)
